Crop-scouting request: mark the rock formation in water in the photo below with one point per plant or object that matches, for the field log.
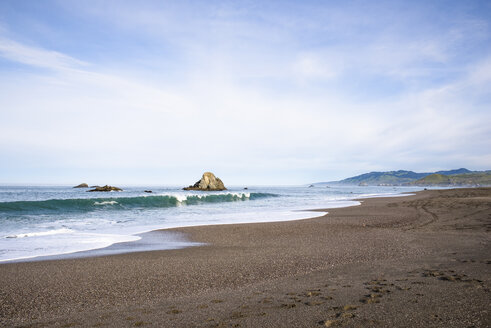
(208, 182)
(82, 185)
(106, 188)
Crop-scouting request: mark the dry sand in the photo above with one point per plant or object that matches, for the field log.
(417, 261)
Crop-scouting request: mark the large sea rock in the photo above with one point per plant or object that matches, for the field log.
(208, 182)
(82, 185)
(105, 188)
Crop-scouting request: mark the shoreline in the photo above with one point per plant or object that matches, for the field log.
(423, 260)
(153, 240)
(148, 241)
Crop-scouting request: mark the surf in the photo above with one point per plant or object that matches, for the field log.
(123, 203)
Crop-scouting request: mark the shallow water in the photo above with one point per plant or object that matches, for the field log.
(43, 221)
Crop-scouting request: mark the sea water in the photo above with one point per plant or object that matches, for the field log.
(45, 221)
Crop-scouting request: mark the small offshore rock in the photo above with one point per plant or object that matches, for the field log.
(82, 185)
(208, 182)
(147, 191)
(105, 188)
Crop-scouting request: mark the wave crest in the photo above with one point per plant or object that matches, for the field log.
(124, 203)
(112, 202)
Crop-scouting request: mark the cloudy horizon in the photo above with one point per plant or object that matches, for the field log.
(156, 92)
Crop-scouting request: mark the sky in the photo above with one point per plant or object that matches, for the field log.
(258, 92)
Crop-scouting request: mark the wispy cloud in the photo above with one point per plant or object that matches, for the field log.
(35, 56)
(253, 90)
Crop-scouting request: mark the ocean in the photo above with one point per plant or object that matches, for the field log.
(38, 222)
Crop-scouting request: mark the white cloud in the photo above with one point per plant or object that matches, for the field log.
(37, 56)
(317, 66)
(481, 72)
(261, 94)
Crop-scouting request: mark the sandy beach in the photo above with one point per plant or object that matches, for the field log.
(416, 261)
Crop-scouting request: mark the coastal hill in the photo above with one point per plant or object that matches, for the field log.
(458, 177)
(466, 179)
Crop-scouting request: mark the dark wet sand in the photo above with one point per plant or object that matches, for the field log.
(418, 261)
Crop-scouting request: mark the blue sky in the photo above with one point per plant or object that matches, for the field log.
(259, 92)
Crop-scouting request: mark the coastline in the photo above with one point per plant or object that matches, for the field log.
(167, 239)
(301, 273)
(151, 241)
(86, 234)
(154, 240)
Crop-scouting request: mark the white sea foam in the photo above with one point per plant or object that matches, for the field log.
(383, 195)
(180, 198)
(107, 202)
(41, 233)
(63, 244)
(241, 194)
(184, 197)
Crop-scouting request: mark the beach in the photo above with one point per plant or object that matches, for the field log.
(416, 261)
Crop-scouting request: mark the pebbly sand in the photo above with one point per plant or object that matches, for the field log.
(417, 261)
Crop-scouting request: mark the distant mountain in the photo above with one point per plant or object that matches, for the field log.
(465, 179)
(458, 171)
(385, 178)
(399, 178)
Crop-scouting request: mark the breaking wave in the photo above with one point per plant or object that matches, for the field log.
(124, 203)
